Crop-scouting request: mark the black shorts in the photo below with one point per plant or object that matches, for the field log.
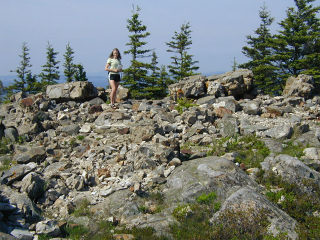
(115, 77)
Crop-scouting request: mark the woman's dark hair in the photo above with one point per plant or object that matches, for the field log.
(111, 54)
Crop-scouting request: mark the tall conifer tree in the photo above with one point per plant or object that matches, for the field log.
(69, 66)
(259, 51)
(297, 48)
(80, 73)
(136, 75)
(50, 71)
(23, 70)
(182, 64)
(26, 81)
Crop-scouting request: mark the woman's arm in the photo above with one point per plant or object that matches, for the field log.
(110, 69)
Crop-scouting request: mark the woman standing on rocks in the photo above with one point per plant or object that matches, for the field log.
(114, 68)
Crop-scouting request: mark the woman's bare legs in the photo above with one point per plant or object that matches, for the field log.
(114, 87)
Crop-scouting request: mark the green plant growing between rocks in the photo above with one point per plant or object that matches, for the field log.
(80, 138)
(184, 103)
(44, 237)
(6, 164)
(302, 206)
(76, 232)
(194, 222)
(21, 139)
(73, 143)
(82, 209)
(143, 209)
(249, 149)
(157, 200)
(105, 230)
(4, 142)
(193, 219)
(293, 150)
(207, 198)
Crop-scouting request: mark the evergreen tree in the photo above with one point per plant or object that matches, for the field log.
(259, 51)
(50, 71)
(1, 87)
(32, 84)
(80, 74)
(234, 64)
(69, 66)
(26, 81)
(297, 48)
(154, 86)
(155, 73)
(22, 71)
(164, 81)
(182, 64)
(136, 75)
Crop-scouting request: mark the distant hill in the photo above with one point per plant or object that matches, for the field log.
(97, 80)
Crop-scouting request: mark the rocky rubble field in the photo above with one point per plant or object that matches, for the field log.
(68, 160)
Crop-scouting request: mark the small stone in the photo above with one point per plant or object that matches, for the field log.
(22, 234)
(124, 131)
(106, 193)
(222, 111)
(136, 187)
(86, 128)
(48, 227)
(168, 171)
(175, 162)
(123, 237)
(242, 166)
(94, 109)
(104, 172)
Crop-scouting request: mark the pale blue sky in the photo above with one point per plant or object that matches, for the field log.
(95, 27)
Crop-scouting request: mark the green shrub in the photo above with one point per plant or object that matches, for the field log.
(184, 103)
(6, 164)
(73, 143)
(250, 150)
(294, 150)
(218, 147)
(21, 139)
(143, 209)
(146, 233)
(4, 142)
(157, 200)
(298, 204)
(80, 137)
(76, 232)
(44, 237)
(82, 209)
(182, 211)
(207, 198)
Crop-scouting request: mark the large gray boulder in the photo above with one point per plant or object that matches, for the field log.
(238, 83)
(122, 93)
(214, 174)
(72, 91)
(205, 175)
(33, 185)
(246, 199)
(292, 170)
(16, 173)
(300, 86)
(49, 228)
(27, 209)
(35, 154)
(190, 87)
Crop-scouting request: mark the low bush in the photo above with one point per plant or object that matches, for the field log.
(184, 103)
(303, 206)
(250, 150)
